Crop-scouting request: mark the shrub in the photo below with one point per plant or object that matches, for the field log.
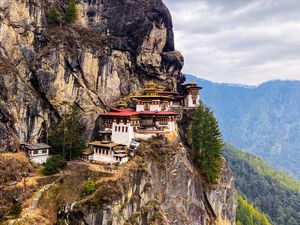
(71, 12)
(53, 17)
(15, 210)
(53, 164)
(88, 187)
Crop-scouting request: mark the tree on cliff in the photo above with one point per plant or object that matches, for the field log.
(207, 143)
(67, 137)
(53, 16)
(71, 13)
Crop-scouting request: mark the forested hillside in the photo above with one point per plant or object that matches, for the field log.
(264, 120)
(249, 215)
(274, 193)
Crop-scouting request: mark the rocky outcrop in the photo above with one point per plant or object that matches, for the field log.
(112, 49)
(161, 186)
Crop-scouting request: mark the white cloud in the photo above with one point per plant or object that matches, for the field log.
(238, 41)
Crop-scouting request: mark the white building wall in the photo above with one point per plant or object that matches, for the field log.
(189, 101)
(155, 108)
(104, 158)
(123, 160)
(172, 126)
(143, 136)
(122, 137)
(140, 108)
(39, 159)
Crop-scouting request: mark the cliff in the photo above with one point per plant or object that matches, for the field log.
(158, 186)
(110, 51)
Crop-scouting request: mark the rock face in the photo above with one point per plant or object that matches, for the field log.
(164, 188)
(112, 49)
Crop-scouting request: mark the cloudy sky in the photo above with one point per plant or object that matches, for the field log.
(238, 41)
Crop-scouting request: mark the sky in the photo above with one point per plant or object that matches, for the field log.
(238, 41)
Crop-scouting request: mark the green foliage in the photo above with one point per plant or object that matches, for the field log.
(88, 187)
(207, 143)
(283, 179)
(264, 190)
(53, 164)
(263, 120)
(53, 16)
(246, 214)
(67, 137)
(15, 210)
(71, 13)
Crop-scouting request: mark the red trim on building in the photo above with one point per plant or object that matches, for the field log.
(130, 112)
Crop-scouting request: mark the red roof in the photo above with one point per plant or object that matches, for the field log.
(121, 113)
(131, 112)
(157, 113)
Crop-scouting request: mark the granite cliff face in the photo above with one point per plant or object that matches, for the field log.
(159, 186)
(110, 51)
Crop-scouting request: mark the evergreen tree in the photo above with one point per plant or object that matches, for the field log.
(53, 17)
(67, 137)
(207, 143)
(71, 13)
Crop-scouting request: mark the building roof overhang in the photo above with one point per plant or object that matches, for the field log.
(87, 152)
(125, 113)
(35, 146)
(104, 144)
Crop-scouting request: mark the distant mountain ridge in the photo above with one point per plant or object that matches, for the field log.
(263, 119)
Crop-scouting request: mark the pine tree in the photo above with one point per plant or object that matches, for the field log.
(71, 13)
(207, 143)
(53, 16)
(67, 137)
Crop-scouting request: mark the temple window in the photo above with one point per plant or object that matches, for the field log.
(147, 106)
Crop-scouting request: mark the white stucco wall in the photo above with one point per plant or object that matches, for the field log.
(122, 137)
(171, 126)
(103, 158)
(39, 159)
(155, 108)
(143, 136)
(123, 160)
(140, 108)
(189, 101)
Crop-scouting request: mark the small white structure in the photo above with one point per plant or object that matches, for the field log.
(87, 155)
(109, 152)
(191, 95)
(38, 153)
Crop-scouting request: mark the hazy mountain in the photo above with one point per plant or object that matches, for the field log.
(264, 119)
(274, 193)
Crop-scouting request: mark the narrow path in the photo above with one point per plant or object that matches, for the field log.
(34, 202)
